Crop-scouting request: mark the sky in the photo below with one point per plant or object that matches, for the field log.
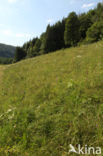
(22, 20)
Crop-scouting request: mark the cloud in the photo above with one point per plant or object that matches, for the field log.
(10, 33)
(50, 21)
(88, 5)
(12, 1)
(7, 32)
(15, 1)
(22, 35)
(72, 1)
(1, 25)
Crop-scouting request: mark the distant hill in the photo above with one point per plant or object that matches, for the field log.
(7, 51)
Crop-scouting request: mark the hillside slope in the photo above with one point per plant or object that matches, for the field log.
(7, 50)
(51, 101)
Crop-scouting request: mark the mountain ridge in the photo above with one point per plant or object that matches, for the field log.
(7, 50)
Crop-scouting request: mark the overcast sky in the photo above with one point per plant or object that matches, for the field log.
(21, 20)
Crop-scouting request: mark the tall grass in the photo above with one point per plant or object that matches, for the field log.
(51, 101)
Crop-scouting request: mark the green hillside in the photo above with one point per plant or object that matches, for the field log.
(7, 51)
(51, 101)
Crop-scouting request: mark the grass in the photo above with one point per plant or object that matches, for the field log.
(1, 71)
(51, 101)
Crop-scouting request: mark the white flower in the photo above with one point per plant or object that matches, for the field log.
(70, 84)
(79, 56)
(11, 117)
(9, 110)
(1, 116)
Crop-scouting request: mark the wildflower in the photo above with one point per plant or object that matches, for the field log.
(70, 84)
(79, 56)
(11, 117)
(1, 116)
(9, 110)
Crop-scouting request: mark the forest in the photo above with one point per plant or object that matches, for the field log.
(6, 53)
(72, 31)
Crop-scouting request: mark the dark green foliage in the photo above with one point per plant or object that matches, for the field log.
(29, 52)
(19, 54)
(95, 32)
(36, 48)
(4, 60)
(42, 38)
(26, 45)
(71, 31)
(47, 40)
(96, 14)
(7, 51)
(30, 46)
(99, 12)
(72, 34)
(92, 15)
(85, 23)
(54, 38)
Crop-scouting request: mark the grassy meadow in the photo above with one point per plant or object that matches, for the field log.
(51, 101)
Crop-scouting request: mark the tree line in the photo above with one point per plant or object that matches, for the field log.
(71, 31)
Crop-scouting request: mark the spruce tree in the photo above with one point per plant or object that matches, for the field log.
(72, 34)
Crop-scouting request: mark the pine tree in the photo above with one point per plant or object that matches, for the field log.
(72, 34)
(19, 54)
